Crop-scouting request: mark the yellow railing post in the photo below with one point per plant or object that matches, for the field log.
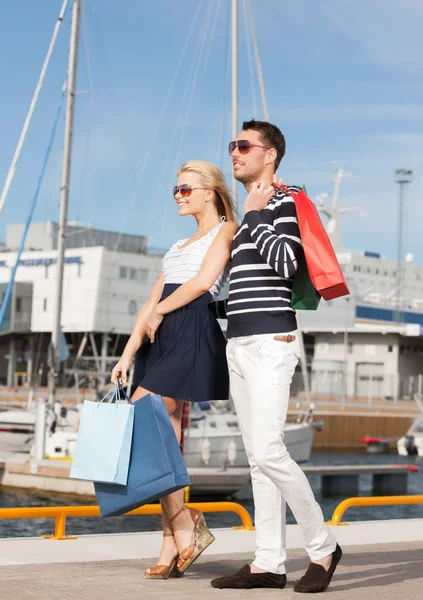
(59, 529)
(371, 501)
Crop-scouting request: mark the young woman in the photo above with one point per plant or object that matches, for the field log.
(183, 355)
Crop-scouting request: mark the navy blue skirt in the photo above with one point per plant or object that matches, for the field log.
(187, 360)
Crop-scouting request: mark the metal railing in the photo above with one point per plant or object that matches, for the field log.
(371, 501)
(60, 513)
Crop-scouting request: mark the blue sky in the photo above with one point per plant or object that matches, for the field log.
(343, 81)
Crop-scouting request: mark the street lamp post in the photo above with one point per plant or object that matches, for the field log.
(403, 176)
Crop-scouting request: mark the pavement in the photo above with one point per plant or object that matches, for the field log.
(385, 571)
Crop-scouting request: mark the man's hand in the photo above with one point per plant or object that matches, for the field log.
(277, 180)
(259, 196)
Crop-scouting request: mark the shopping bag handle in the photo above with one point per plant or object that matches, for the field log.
(119, 389)
(116, 394)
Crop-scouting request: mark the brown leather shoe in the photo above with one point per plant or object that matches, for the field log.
(316, 578)
(244, 579)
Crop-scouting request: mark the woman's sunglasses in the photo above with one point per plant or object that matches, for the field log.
(185, 190)
(244, 146)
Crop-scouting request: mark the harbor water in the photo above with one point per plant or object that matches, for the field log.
(78, 526)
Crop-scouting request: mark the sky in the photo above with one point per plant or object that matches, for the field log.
(343, 81)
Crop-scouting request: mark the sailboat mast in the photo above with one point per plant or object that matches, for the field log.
(235, 86)
(18, 151)
(64, 194)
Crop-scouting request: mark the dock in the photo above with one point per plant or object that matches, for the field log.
(110, 567)
(53, 475)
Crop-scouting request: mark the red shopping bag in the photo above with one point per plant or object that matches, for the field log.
(323, 266)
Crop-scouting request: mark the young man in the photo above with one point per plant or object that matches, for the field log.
(263, 351)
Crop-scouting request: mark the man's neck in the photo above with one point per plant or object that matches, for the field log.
(268, 179)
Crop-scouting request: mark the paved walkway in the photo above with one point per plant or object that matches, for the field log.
(385, 572)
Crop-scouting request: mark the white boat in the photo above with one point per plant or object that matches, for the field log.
(17, 428)
(214, 439)
(17, 431)
(411, 444)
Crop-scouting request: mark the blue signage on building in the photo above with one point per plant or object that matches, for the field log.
(44, 262)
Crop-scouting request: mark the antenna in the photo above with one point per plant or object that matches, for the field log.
(334, 212)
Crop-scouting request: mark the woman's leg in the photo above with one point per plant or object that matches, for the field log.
(173, 502)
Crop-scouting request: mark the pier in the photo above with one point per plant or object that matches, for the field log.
(53, 475)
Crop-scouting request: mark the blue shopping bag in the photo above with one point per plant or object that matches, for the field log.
(103, 446)
(156, 466)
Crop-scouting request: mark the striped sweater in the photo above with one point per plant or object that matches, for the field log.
(264, 259)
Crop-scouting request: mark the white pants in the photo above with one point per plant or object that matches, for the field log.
(261, 371)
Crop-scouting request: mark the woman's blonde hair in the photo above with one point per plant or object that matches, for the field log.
(212, 178)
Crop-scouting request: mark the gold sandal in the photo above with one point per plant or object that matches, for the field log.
(202, 538)
(164, 571)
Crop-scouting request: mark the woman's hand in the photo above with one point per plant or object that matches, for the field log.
(121, 369)
(153, 323)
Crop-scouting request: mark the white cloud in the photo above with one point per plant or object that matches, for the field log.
(388, 30)
(352, 112)
(409, 139)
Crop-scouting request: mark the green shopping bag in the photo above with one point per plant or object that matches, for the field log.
(304, 296)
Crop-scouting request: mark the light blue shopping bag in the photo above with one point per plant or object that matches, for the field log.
(103, 446)
(157, 466)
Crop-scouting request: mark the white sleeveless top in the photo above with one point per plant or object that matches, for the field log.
(182, 264)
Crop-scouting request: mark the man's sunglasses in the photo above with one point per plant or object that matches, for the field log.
(244, 146)
(185, 190)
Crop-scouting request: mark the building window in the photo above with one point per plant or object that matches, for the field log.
(123, 273)
(79, 269)
(390, 348)
(132, 307)
(45, 271)
(377, 272)
(143, 274)
(18, 305)
(45, 304)
(132, 274)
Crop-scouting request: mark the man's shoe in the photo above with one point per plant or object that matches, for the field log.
(244, 579)
(316, 578)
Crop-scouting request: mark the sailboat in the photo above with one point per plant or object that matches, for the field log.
(214, 438)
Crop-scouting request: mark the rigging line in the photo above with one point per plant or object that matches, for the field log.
(200, 61)
(225, 88)
(212, 34)
(16, 156)
(258, 63)
(250, 58)
(159, 122)
(170, 149)
(91, 110)
(114, 94)
(9, 289)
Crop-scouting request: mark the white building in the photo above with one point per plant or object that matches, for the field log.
(104, 289)
(370, 344)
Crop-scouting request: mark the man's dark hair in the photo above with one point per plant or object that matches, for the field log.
(271, 135)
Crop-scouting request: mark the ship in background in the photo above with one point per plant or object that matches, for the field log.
(368, 345)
